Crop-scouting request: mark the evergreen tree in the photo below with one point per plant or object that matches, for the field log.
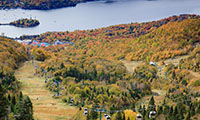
(123, 118)
(28, 108)
(12, 104)
(94, 73)
(143, 110)
(62, 65)
(93, 114)
(9, 98)
(13, 100)
(151, 105)
(24, 109)
(164, 102)
(187, 117)
(133, 107)
(192, 110)
(160, 109)
(198, 109)
(140, 109)
(20, 95)
(12, 107)
(3, 104)
(181, 116)
(88, 116)
(171, 111)
(112, 108)
(166, 109)
(119, 116)
(175, 113)
(19, 107)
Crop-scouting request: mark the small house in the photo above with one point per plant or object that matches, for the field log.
(34, 43)
(43, 44)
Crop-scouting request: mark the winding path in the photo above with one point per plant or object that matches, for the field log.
(45, 107)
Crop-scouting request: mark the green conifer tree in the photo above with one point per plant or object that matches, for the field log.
(123, 118)
(133, 107)
(23, 108)
(93, 115)
(192, 110)
(151, 105)
(119, 116)
(187, 117)
(28, 108)
(175, 113)
(3, 104)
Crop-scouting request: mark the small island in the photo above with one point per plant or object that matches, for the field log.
(25, 22)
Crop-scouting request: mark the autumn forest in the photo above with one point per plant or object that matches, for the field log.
(135, 71)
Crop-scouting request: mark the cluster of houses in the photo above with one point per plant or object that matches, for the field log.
(41, 44)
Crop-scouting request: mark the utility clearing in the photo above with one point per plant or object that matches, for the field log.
(44, 105)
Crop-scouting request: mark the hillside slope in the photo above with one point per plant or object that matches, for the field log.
(13, 104)
(45, 107)
(91, 72)
(169, 40)
(11, 54)
(155, 40)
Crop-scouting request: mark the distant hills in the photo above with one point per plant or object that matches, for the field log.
(39, 4)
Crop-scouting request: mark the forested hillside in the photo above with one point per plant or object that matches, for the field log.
(13, 105)
(39, 4)
(90, 71)
(126, 41)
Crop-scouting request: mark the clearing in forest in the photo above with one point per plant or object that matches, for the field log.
(131, 65)
(44, 105)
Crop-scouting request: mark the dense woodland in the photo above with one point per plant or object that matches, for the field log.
(90, 70)
(13, 105)
(39, 4)
(192, 62)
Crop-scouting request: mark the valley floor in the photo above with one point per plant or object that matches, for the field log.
(44, 105)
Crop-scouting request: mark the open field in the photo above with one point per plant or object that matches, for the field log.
(44, 105)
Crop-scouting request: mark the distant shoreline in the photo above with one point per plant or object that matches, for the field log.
(4, 23)
(44, 5)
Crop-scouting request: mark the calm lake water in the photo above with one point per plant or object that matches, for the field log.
(98, 14)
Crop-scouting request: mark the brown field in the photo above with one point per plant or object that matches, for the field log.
(131, 65)
(46, 107)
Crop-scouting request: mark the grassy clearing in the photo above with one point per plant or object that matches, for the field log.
(131, 65)
(46, 107)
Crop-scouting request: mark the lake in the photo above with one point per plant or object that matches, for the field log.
(97, 14)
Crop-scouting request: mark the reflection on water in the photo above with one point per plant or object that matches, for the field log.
(92, 15)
